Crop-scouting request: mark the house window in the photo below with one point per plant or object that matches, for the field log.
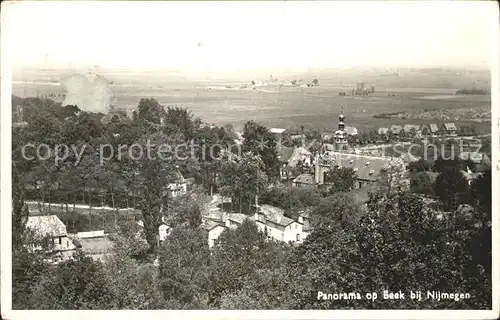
(298, 237)
(60, 240)
(282, 236)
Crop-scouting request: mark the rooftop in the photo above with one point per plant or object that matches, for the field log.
(366, 167)
(305, 178)
(274, 214)
(238, 217)
(409, 127)
(449, 126)
(210, 224)
(47, 225)
(383, 130)
(433, 127)
(277, 130)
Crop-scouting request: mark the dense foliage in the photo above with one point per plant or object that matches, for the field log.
(393, 242)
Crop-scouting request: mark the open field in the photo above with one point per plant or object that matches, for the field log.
(291, 107)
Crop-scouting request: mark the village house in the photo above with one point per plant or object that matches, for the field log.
(396, 130)
(431, 129)
(272, 221)
(52, 229)
(304, 180)
(235, 220)
(383, 131)
(300, 157)
(449, 129)
(179, 186)
(367, 168)
(412, 130)
(213, 229)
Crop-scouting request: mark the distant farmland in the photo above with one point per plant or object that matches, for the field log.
(316, 107)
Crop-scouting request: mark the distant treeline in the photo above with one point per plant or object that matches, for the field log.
(387, 115)
(472, 91)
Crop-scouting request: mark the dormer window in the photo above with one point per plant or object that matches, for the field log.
(367, 163)
(372, 172)
(351, 161)
(355, 169)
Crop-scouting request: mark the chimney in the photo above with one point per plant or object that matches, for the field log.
(227, 223)
(301, 219)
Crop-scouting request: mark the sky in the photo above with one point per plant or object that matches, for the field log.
(232, 37)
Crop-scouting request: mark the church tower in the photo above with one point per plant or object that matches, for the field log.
(340, 136)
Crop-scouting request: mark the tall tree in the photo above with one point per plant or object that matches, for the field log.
(178, 119)
(76, 284)
(340, 180)
(452, 188)
(183, 273)
(260, 141)
(19, 209)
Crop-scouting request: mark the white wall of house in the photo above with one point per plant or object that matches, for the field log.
(177, 189)
(62, 243)
(291, 233)
(163, 231)
(214, 234)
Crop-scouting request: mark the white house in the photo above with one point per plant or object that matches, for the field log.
(271, 220)
(214, 230)
(53, 228)
(163, 231)
(179, 186)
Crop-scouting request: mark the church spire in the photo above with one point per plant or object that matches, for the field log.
(341, 119)
(340, 136)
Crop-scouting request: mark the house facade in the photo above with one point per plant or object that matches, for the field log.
(272, 221)
(412, 130)
(431, 130)
(213, 229)
(449, 129)
(179, 186)
(304, 180)
(50, 228)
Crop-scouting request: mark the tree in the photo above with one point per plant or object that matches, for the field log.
(440, 164)
(178, 119)
(291, 198)
(481, 192)
(452, 188)
(150, 110)
(239, 253)
(315, 82)
(183, 274)
(27, 269)
(340, 179)
(76, 284)
(260, 141)
(242, 178)
(185, 213)
(133, 285)
(20, 211)
(421, 183)
(419, 166)
(339, 211)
